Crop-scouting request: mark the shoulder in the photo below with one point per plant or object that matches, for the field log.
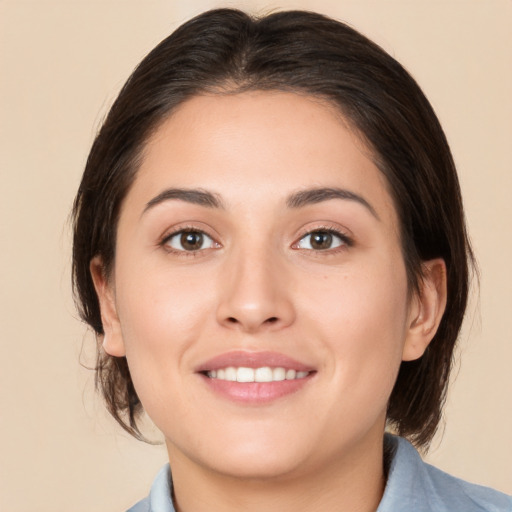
(454, 490)
(141, 506)
(415, 485)
(159, 499)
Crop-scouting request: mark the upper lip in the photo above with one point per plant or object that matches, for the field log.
(240, 358)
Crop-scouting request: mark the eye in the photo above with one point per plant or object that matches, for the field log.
(189, 240)
(322, 240)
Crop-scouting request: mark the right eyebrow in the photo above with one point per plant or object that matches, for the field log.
(317, 195)
(189, 195)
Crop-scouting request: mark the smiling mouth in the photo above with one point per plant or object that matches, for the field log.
(262, 374)
(254, 378)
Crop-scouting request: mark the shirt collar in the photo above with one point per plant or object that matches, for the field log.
(405, 487)
(161, 491)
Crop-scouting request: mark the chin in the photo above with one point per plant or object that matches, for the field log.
(263, 465)
(251, 455)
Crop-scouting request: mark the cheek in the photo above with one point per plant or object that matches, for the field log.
(362, 315)
(161, 321)
(157, 304)
(162, 315)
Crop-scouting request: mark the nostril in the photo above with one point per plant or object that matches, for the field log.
(251, 323)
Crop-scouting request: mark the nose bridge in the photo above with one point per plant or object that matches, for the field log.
(254, 295)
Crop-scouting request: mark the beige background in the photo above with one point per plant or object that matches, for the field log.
(61, 64)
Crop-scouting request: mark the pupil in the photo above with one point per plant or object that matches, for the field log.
(191, 241)
(321, 240)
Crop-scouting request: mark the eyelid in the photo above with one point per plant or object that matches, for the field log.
(183, 228)
(343, 234)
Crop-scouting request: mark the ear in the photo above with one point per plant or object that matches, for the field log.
(427, 309)
(113, 343)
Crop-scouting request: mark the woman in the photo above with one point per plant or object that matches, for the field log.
(270, 246)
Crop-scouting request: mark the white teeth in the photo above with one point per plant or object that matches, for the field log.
(290, 374)
(231, 374)
(244, 374)
(263, 374)
(279, 374)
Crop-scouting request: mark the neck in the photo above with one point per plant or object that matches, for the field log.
(352, 483)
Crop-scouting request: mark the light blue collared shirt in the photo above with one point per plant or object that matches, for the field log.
(412, 486)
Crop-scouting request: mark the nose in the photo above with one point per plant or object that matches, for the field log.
(255, 294)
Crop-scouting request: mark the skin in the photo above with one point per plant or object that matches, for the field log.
(256, 285)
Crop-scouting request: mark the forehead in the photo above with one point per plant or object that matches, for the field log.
(261, 144)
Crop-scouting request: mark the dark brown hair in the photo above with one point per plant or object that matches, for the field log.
(226, 51)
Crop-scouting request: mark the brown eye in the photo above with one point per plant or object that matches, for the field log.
(320, 241)
(190, 241)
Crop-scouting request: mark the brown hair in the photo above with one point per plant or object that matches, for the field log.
(227, 51)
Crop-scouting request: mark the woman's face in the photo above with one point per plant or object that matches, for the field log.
(259, 243)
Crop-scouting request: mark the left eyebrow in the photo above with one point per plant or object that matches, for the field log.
(189, 195)
(318, 195)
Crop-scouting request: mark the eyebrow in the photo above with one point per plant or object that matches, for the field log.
(194, 196)
(318, 195)
(296, 200)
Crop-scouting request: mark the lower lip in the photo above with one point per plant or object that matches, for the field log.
(255, 392)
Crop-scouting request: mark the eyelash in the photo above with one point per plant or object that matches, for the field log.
(345, 240)
(166, 239)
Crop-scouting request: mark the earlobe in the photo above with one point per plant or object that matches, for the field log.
(427, 309)
(113, 343)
